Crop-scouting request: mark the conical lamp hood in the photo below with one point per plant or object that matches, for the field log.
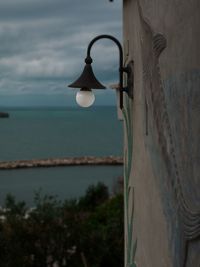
(87, 80)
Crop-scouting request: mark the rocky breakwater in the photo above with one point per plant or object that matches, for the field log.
(56, 162)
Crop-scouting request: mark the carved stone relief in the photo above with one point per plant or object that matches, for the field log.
(175, 147)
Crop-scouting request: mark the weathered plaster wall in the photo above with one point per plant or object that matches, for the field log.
(162, 147)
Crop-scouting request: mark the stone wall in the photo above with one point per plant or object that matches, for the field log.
(162, 126)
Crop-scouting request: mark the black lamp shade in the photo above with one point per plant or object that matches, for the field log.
(87, 80)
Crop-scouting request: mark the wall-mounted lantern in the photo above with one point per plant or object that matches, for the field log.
(87, 80)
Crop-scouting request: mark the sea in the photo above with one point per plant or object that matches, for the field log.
(41, 133)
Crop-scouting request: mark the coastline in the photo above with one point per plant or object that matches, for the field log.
(4, 115)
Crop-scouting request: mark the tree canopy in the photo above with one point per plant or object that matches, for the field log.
(84, 232)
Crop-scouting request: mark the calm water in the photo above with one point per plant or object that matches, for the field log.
(30, 134)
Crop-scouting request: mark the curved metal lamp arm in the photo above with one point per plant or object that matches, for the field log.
(88, 60)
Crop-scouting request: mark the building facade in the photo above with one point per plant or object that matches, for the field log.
(162, 131)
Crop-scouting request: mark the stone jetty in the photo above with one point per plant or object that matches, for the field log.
(57, 162)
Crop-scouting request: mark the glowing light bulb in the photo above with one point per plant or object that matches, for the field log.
(85, 97)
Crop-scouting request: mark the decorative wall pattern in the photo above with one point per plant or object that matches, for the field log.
(163, 157)
(131, 244)
(188, 216)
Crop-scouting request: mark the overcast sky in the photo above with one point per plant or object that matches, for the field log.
(43, 45)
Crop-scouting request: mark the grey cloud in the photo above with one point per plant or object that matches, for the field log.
(43, 43)
(77, 10)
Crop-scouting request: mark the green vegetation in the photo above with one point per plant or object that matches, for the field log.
(87, 232)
